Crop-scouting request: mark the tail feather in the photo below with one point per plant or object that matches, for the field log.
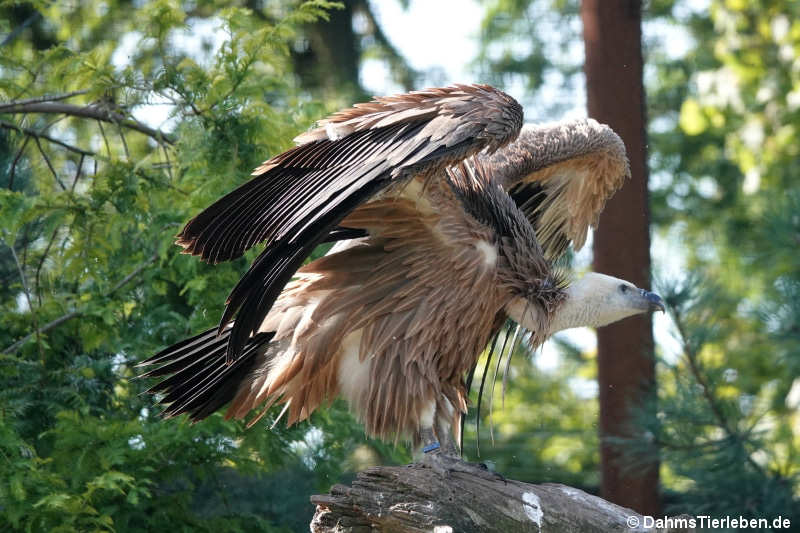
(199, 380)
(179, 348)
(184, 358)
(209, 380)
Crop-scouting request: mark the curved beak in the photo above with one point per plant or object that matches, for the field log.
(654, 301)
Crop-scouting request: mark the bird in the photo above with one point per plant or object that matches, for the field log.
(448, 216)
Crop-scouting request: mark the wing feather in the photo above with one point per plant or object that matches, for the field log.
(380, 139)
(297, 198)
(561, 175)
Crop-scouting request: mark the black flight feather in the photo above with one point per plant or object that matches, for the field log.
(200, 381)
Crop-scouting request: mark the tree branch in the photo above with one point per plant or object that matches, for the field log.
(168, 163)
(77, 174)
(21, 272)
(124, 142)
(19, 29)
(76, 313)
(49, 164)
(41, 263)
(707, 390)
(41, 135)
(414, 498)
(47, 327)
(44, 98)
(105, 139)
(398, 64)
(89, 111)
(13, 171)
(27, 292)
(135, 272)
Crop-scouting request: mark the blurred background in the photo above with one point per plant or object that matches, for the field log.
(121, 120)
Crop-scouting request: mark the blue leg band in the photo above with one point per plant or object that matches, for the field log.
(431, 447)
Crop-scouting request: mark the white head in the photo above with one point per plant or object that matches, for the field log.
(594, 300)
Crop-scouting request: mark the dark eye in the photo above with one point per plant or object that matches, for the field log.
(623, 289)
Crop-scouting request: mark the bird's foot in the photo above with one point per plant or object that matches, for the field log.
(446, 465)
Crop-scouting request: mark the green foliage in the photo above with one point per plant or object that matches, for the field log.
(91, 283)
(719, 425)
(725, 167)
(536, 44)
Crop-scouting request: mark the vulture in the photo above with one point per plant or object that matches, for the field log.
(449, 217)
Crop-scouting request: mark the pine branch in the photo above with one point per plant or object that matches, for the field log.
(41, 263)
(136, 271)
(77, 174)
(47, 327)
(105, 139)
(16, 32)
(707, 390)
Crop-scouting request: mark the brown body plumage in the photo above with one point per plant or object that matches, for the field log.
(449, 243)
(419, 297)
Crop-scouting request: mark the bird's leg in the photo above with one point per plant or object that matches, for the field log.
(449, 445)
(430, 444)
(445, 459)
(444, 428)
(442, 455)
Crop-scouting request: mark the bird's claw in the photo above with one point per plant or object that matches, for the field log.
(445, 465)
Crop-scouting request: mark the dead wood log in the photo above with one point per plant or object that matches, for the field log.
(415, 498)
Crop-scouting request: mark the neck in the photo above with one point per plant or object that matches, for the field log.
(586, 305)
(574, 312)
(579, 308)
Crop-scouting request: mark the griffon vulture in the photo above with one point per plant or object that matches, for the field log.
(451, 215)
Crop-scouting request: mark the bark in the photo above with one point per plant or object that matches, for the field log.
(415, 498)
(626, 367)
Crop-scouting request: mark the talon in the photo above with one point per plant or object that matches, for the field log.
(446, 465)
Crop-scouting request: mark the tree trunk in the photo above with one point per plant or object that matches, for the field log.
(330, 61)
(626, 367)
(415, 498)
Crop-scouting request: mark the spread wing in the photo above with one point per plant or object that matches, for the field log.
(561, 175)
(297, 198)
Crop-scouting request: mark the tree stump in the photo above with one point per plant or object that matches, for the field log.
(415, 498)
